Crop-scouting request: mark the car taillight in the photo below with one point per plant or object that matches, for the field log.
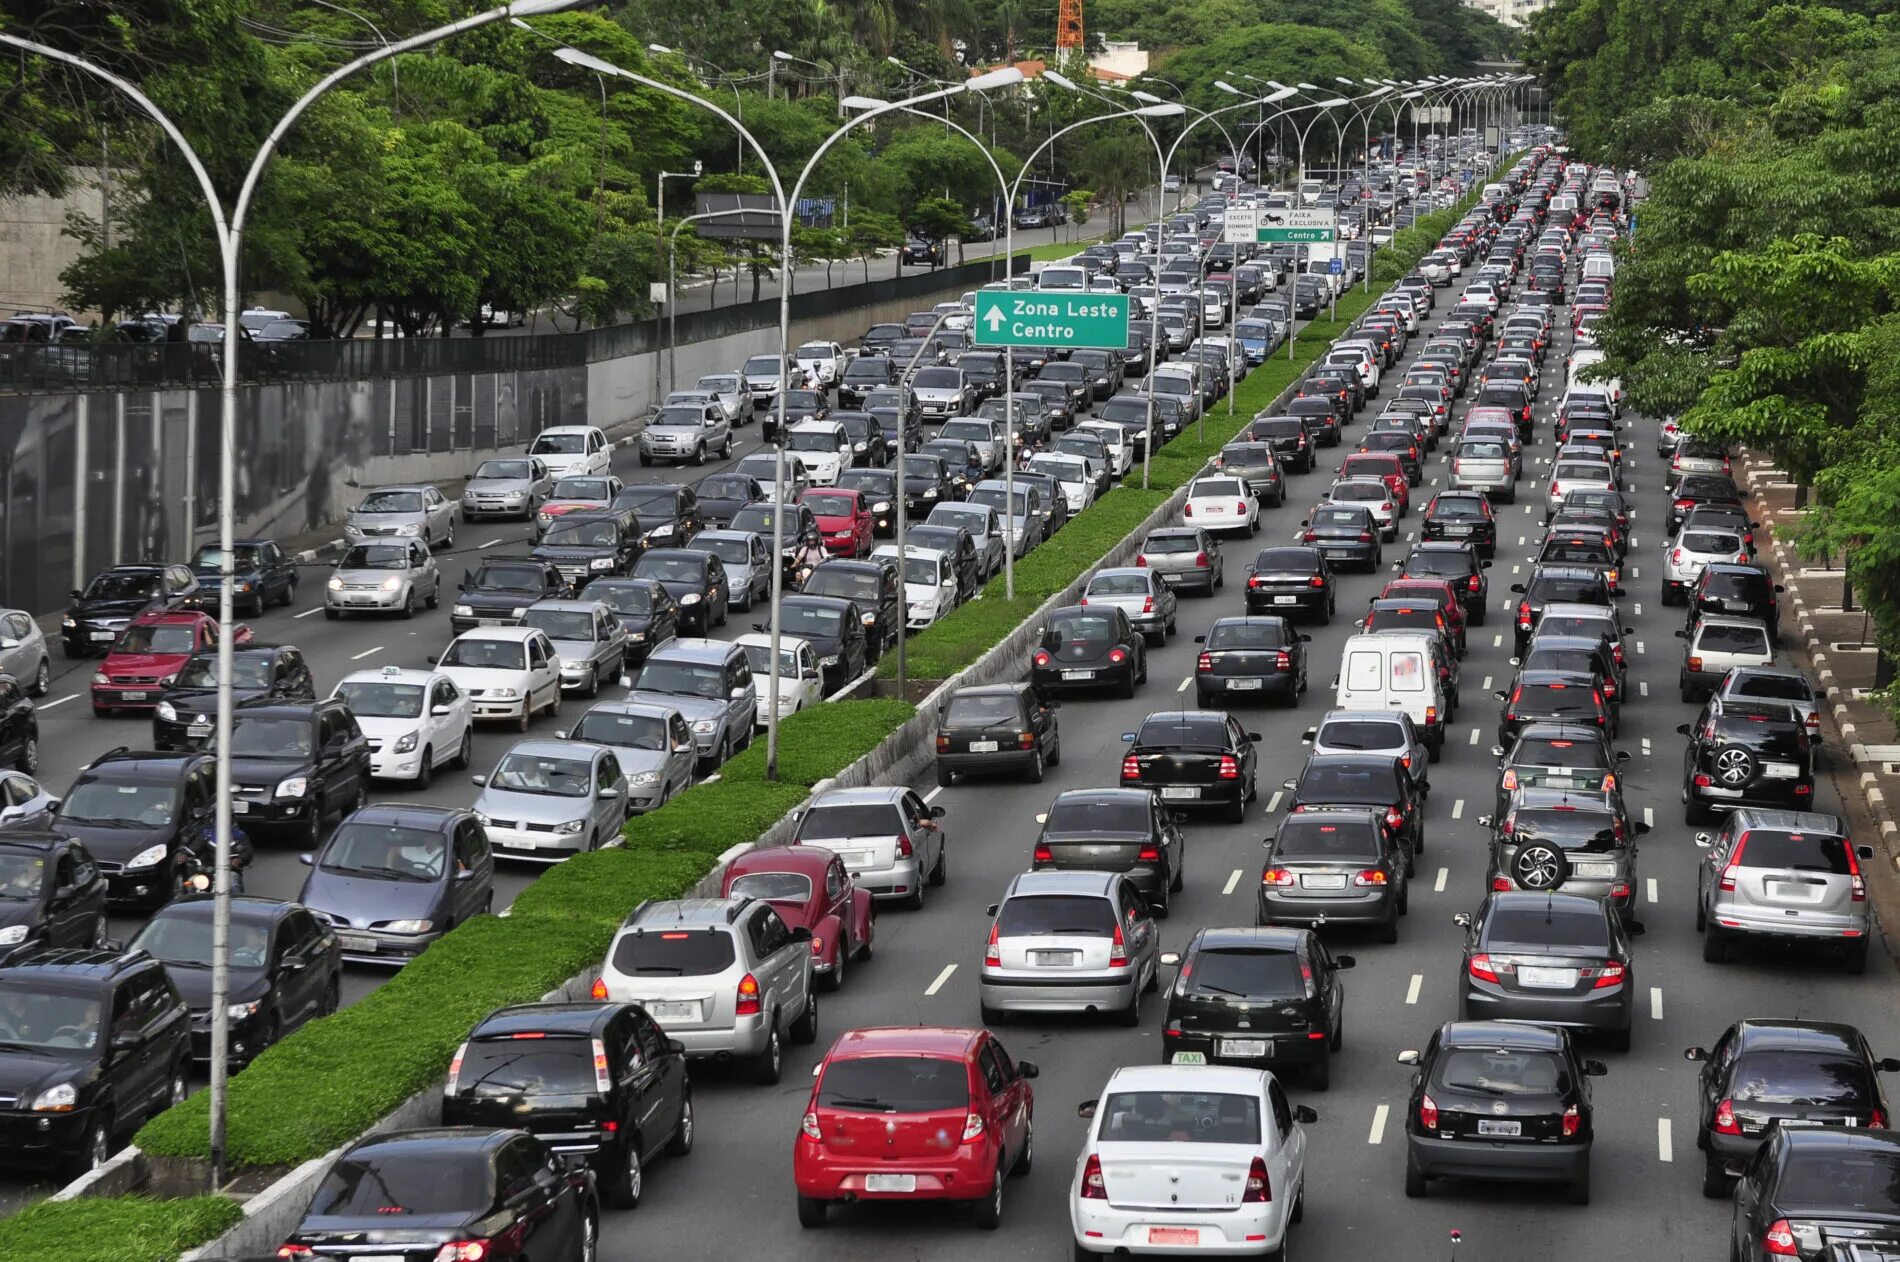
(1200, 561)
(1148, 854)
(904, 847)
(1471, 584)
(1318, 580)
(1510, 779)
(1616, 651)
(1240, 506)
(1572, 1121)
(1256, 581)
(1259, 1186)
(1118, 949)
(1500, 884)
(1608, 975)
(1118, 656)
(1853, 875)
(455, 1066)
(1685, 504)
(1276, 877)
(1229, 767)
(603, 1079)
(1371, 876)
(1523, 615)
(1131, 767)
(1675, 556)
(1695, 662)
(1309, 536)
(1484, 970)
(1042, 854)
(1427, 1113)
(1283, 660)
(1041, 658)
(1879, 1120)
(1779, 1240)
(1392, 817)
(993, 952)
(1364, 537)
(1141, 561)
(293, 1251)
(462, 1251)
(1092, 1189)
(972, 1127)
(748, 1002)
(810, 1126)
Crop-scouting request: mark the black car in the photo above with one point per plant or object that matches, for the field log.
(1295, 580)
(1115, 830)
(286, 968)
(921, 252)
(961, 461)
(1290, 439)
(836, 630)
(1347, 533)
(1257, 463)
(52, 893)
(798, 527)
(1739, 591)
(1551, 585)
(1552, 696)
(720, 495)
(1807, 1185)
(1499, 1100)
(1373, 780)
(877, 589)
(584, 547)
(19, 728)
(1050, 495)
(451, 1192)
(1458, 563)
(1556, 756)
(1763, 1074)
(92, 1043)
(1696, 490)
(188, 707)
(928, 482)
(1336, 865)
(1552, 958)
(869, 450)
(1588, 654)
(984, 370)
(294, 764)
(1746, 753)
(1250, 655)
(1193, 758)
(601, 1079)
(997, 728)
(141, 815)
(669, 515)
(696, 580)
(1321, 415)
(261, 574)
(876, 341)
(959, 545)
(113, 597)
(492, 595)
(1284, 983)
(1084, 649)
(645, 608)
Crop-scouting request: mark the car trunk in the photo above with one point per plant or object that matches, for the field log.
(1537, 972)
(1794, 872)
(1172, 1177)
(891, 1109)
(1178, 773)
(1097, 852)
(1245, 669)
(1496, 1118)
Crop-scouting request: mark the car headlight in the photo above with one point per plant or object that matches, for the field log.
(243, 587)
(503, 694)
(68, 623)
(465, 611)
(100, 677)
(705, 727)
(573, 826)
(644, 779)
(544, 518)
(242, 1011)
(637, 637)
(520, 611)
(335, 584)
(930, 492)
(407, 743)
(870, 619)
(12, 935)
(882, 506)
(857, 446)
(167, 712)
(392, 584)
(828, 661)
(690, 598)
(661, 531)
(514, 495)
(294, 787)
(412, 926)
(61, 1099)
(410, 530)
(601, 563)
(149, 857)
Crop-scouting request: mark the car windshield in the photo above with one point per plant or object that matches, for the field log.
(1715, 638)
(832, 505)
(773, 887)
(1800, 1077)
(625, 731)
(1551, 926)
(1502, 1072)
(388, 851)
(511, 578)
(582, 534)
(1062, 470)
(385, 1188)
(184, 941)
(728, 548)
(51, 1020)
(812, 440)
(558, 445)
(391, 502)
(659, 504)
(375, 556)
(246, 672)
(875, 366)
(504, 470)
(938, 379)
(561, 624)
(544, 775)
(1358, 783)
(894, 1084)
(726, 486)
(378, 700)
(134, 805)
(22, 877)
(170, 637)
(869, 819)
(671, 569)
(833, 580)
(122, 587)
(1160, 544)
(627, 598)
(211, 558)
(584, 490)
(1179, 1117)
(758, 655)
(811, 622)
(479, 653)
(265, 736)
(683, 678)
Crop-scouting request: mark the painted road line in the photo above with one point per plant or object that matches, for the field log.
(1458, 809)
(1632, 541)
(1497, 641)
(1662, 1140)
(1649, 816)
(1186, 684)
(1232, 883)
(1652, 891)
(1474, 736)
(368, 652)
(1515, 569)
(491, 543)
(1635, 572)
(942, 977)
(1520, 541)
(1655, 1003)
(308, 613)
(1642, 685)
(1377, 1134)
(47, 705)
(1411, 992)
(1639, 609)
(1438, 886)
(1646, 747)
(1273, 803)
(1487, 684)
(932, 795)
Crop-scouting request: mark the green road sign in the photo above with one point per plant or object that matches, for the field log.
(1298, 225)
(1066, 319)
(1304, 236)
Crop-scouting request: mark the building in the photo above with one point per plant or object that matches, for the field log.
(1119, 61)
(1510, 12)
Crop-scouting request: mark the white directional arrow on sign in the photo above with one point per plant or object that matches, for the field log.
(995, 319)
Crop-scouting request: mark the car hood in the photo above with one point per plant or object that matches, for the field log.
(633, 761)
(143, 664)
(88, 610)
(364, 900)
(360, 518)
(114, 843)
(576, 650)
(636, 621)
(678, 588)
(209, 576)
(571, 551)
(496, 486)
(690, 708)
(203, 700)
(267, 772)
(828, 522)
(194, 985)
(540, 808)
(497, 598)
(367, 576)
(26, 1074)
(19, 913)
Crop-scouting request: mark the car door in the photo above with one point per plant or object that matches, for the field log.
(769, 937)
(926, 834)
(535, 1191)
(610, 795)
(610, 639)
(1009, 1096)
(291, 976)
(353, 758)
(69, 914)
(279, 575)
(447, 719)
(680, 755)
(662, 1092)
(136, 1066)
(424, 577)
(597, 457)
(1286, 1156)
(437, 513)
(544, 670)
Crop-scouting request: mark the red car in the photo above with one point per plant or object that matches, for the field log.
(145, 658)
(1441, 593)
(844, 520)
(809, 888)
(1385, 467)
(914, 1113)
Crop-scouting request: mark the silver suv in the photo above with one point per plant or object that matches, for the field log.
(681, 432)
(725, 977)
(1484, 464)
(1716, 645)
(710, 683)
(890, 842)
(1783, 876)
(1082, 942)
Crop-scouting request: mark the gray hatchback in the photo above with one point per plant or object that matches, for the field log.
(1186, 558)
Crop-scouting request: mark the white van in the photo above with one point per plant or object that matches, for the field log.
(1310, 191)
(1582, 359)
(1598, 266)
(1062, 277)
(1394, 670)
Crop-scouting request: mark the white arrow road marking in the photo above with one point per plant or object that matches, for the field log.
(942, 977)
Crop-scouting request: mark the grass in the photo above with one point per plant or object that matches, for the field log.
(114, 1229)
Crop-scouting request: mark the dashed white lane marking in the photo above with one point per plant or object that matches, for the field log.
(1632, 541)
(1474, 736)
(1377, 1134)
(308, 613)
(1458, 809)
(1646, 747)
(491, 543)
(1635, 572)
(1527, 507)
(1516, 569)
(1662, 1140)
(942, 977)
(932, 795)
(1487, 684)
(1232, 882)
(1411, 992)
(368, 652)
(1497, 641)
(1655, 1003)
(1643, 686)
(1520, 541)
(1639, 609)
(1641, 647)
(1438, 886)
(47, 705)
(1649, 816)
(1186, 684)
(1273, 803)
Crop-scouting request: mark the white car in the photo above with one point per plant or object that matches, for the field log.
(800, 678)
(572, 450)
(1121, 452)
(1222, 503)
(1568, 475)
(1181, 1160)
(822, 449)
(1375, 495)
(823, 362)
(930, 583)
(416, 721)
(509, 673)
(1072, 473)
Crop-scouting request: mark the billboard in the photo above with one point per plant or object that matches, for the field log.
(741, 217)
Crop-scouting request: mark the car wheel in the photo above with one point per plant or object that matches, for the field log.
(1319, 1074)
(434, 598)
(1237, 810)
(1034, 774)
(681, 1142)
(805, 1029)
(1854, 958)
(945, 777)
(1415, 1179)
(311, 831)
(425, 770)
(95, 1149)
(1714, 1179)
(409, 603)
(1714, 946)
(988, 1212)
(770, 1062)
(811, 1211)
(1578, 1193)
(527, 714)
(331, 615)
(332, 997)
(42, 679)
(179, 1087)
(465, 751)
(629, 1178)
(29, 759)
(1619, 1040)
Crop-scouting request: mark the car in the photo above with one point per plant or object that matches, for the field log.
(460, 1186)
(984, 729)
(1019, 512)
(1335, 865)
(573, 450)
(52, 892)
(1069, 942)
(393, 878)
(1250, 654)
(295, 763)
(726, 978)
(1292, 580)
(1737, 589)
(1717, 644)
(262, 574)
(23, 653)
(1558, 585)
(1804, 1186)
(586, 636)
(1223, 503)
(147, 656)
(844, 520)
(1501, 1101)
(1373, 494)
(1345, 534)
(730, 391)
(837, 631)
(875, 587)
(1557, 959)
(414, 720)
(507, 673)
(383, 576)
(651, 743)
(410, 511)
(747, 562)
(1088, 647)
(1284, 979)
(98, 1042)
(1127, 830)
(1388, 733)
(821, 362)
(696, 580)
(1148, 601)
(1690, 552)
(112, 598)
(1258, 465)
(890, 841)
(1458, 563)
(987, 531)
(1765, 1074)
(1786, 877)
(1698, 490)
(1186, 558)
(578, 493)
(810, 889)
(1180, 1159)
(711, 684)
(1773, 683)
(669, 515)
(645, 608)
(722, 494)
(1553, 696)
(585, 546)
(800, 679)
(186, 709)
(512, 486)
(1193, 757)
(1586, 654)
(497, 594)
(1565, 839)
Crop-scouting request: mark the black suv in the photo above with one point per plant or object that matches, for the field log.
(1285, 980)
(1556, 584)
(1746, 753)
(97, 1042)
(52, 894)
(295, 763)
(261, 574)
(587, 546)
(1740, 591)
(645, 608)
(141, 814)
(112, 598)
(595, 1078)
(876, 589)
(188, 708)
(1462, 517)
(495, 594)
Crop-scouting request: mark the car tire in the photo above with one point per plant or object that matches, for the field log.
(623, 1189)
(1319, 1074)
(770, 1063)
(834, 980)
(409, 603)
(1131, 1015)
(680, 1143)
(1415, 1180)
(945, 777)
(331, 614)
(434, 598)
(1578, 1190)
(805, 1029)
(95, 1149)
(1237, 811)
(1026, 1159)
(1714, 946)
(465, 752)
(425, 769)
(1034, 774)
(42, 679)
(811, 1212)
(593, 684)
(1389, 929)
(1619, 1040)
(1127, 687)
(1714, 1179)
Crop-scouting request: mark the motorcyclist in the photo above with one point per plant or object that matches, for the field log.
(205, 847)
(810, 555)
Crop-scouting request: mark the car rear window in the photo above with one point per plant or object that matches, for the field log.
(1080, 629)
(533, 1063)
(1251, 971)
(1568, 827)
(1778, 687)
(1501, 1072)
(1366, 784)
(1720, 638)
(1709, 541)
(895, 1084)
(982, 709)
(392, 1184)
(1160, 544)
(871, 819)
(1569, 589)
(674, 953)
(1574, 549)
(1179, 1117)
(1041, 915)
(1183, 732)
(1318, 839)
(1298, 560)
(1481, 451)
(1548, 926)
(1456, 508)
(1841, 1179)
(1129, 814)
(1561, 697)
(1799, 852)
(1791, 1077)
(1247, 635)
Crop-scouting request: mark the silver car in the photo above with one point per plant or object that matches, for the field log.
(588, 636)
(1186, 558)
(763, 465)
(23, 800)
(1783, 876)
(1483, 464)
(890, 842)
(730, 391)
(1069, 942)
(710, 682)
(1387, 733)
(747, 560)
(514, 487)
(1715, 645)
(986, 529)
(652, 743)
(23, 652)
(383, 576)
(415, 511)
(682, 432)
(1141, 594)
(546, 800)
(942, 392)
(1690, 552)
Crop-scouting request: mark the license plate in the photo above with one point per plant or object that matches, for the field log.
(1053, 959)
(357, 944)
(675, 1011)
(104, 635)
(1180, 791)
(1189, 1058)
(1213, 508)
(1245, 1047)
(890, 1183)
(380, 1257)
(491, 622)
(1457, 530)
(1558, 782)
(1323, 881)
(240, 807)
(1286, 600)
(1777, 771)
(853, 858)
(1078, 674)
(1174, 1235)
(201, 727)
(132, 696)
(1499, 1130)
(983, 747)
(1246, 685)
(1547, 978)
(1594, 871)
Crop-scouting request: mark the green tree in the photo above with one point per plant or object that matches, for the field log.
(938, 219)
(872, 231)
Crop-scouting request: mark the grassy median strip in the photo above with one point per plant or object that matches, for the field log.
(114, 1229)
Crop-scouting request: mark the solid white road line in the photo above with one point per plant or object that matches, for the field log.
(47, 705)
(308, 613)
(1411, 992)
(368, 652)
(1458, 809)
(1652, 891)
(1232, 882)
(942, 977)
(1662, 1140)
(1186, 684)
(1655, 1003)
(1273, 803)
(1438, 886)
(1377, 1134)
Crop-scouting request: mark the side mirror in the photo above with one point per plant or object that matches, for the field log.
(1171, 958)
(433, 658)
(480, 782)
(1497, 751)
(1636, 928)
(991, 909)
(125, 1042)
(1308, 735)
(1682, 729)
(1128, 738)
(1199, 639)
(1254, 736)
(801, 934)
(1595, 1068)
(1289, 784)
(465, 874)
(1682, 635)
(1702, 1053)
(1484, 565)
(608, 795)
(1864, 853)
(1345, 961)
(1502, 695)
(1703, 841)
(1462, 919)
(8, 642)
(1304, 1114)
(308, 860)
(1887, 1065)
(1518, 588)
(1086, 1109)
(1408, 1057)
